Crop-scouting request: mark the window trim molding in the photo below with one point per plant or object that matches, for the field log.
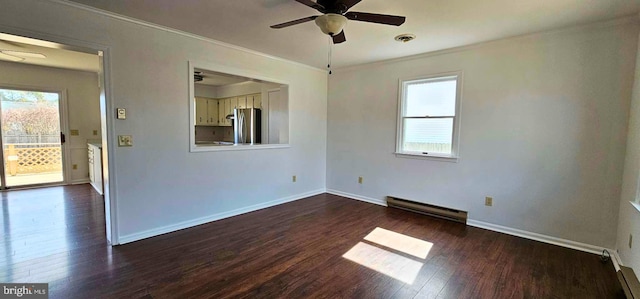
(402, 83)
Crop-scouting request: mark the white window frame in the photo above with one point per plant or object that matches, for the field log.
(402, 87)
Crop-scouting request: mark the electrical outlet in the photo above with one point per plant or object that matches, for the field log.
(294, 178)
(488, 201)
(359, 180)
(75, 166)
(125, 140)
(95, 132)
(630, 240)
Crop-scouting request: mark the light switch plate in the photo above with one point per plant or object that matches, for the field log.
(125, 140)
(121, 113)
(75, 132)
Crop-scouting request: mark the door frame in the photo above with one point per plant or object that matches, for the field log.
(107, 111)
(64, 129)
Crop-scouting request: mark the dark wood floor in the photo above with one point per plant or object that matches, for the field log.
(295, 250)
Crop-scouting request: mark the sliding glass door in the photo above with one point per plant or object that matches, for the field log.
(32, 152)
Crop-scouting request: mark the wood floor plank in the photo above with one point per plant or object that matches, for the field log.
(310, 248)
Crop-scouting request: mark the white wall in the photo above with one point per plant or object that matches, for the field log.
(160, 184)
(629, 216)
(82, 102)
(543, 129)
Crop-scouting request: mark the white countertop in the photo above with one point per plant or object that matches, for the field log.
(96, 144)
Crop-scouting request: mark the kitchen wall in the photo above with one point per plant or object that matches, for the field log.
(629, 223)
(204, 133)
(543, 131)
(206, 91)
(82, 102)
(159, 185)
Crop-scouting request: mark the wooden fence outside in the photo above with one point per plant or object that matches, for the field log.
(24, 158)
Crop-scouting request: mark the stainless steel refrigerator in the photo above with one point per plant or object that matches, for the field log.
(247, 126)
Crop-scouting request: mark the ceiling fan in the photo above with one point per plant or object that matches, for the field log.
(198, 76)
(335, 16)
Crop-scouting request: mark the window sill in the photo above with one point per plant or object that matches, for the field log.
(222, 148)
(427, 157)
(635, 205)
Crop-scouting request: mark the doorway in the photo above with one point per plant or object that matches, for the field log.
(32, 138)
(70, 69)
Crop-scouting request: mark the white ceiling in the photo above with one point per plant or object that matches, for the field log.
(58, 58)
(438, 24)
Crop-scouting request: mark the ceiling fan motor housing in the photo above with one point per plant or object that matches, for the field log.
(331, 23)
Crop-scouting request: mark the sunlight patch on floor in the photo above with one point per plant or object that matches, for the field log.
(387, 262)
(400, 242)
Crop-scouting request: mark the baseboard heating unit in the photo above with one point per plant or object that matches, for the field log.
(427, 209)
(629, 282)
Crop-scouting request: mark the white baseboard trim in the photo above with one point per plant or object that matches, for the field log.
(374, 201)
(540, 237)
(202, 220)
(617, 261)
(79, 181)
(507, 230)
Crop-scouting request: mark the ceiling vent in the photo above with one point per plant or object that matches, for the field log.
(405, 37)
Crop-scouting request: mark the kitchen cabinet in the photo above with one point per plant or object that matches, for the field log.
(222, 112)
(242, 102)
(227, 110)
(201, 111)
(231, 104)
(234, 104)
(256, 100)
(95, 167)
(218, 109)
(206, 112)
(212, 112)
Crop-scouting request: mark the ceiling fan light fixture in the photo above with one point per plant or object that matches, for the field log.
(331, 23)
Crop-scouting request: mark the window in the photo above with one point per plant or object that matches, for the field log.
(429, 116)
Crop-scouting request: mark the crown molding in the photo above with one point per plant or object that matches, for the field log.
(179, 32)
(630, 19)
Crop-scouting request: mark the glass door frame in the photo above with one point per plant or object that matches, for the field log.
(64, 131)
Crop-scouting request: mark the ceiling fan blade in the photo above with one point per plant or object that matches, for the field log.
(10, 57)
(375, 18)
(350, 3)
(339, 38)
(23, 54)
(294, 22)
(10, 43)
(313, 5)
